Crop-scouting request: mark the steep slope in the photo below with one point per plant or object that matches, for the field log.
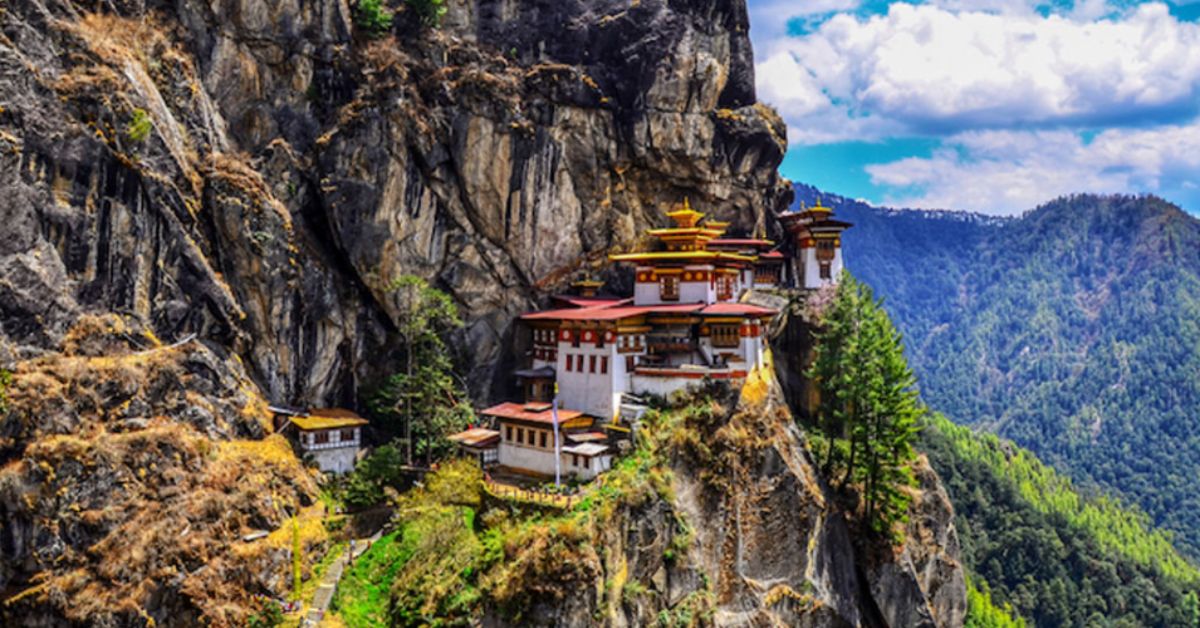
(130, 476)
(1071, 330)
(253, 176)
(1059, 558)
(260, 173)
(718, 517)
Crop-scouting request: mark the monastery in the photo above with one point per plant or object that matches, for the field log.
(593, 357)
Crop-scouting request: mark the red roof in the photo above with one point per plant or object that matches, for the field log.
(737, 309)
(578, 301)
(610, 313)
(518, 412)
(772, 255)
(630, 311)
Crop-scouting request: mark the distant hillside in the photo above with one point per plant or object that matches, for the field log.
(1072, 330)
(1058, 558)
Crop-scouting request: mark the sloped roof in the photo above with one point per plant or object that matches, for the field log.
(328, 419)
(521, 412)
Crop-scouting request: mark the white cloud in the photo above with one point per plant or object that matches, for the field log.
(1005, 172)
(960, 65)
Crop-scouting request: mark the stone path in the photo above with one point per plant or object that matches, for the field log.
(324, 595)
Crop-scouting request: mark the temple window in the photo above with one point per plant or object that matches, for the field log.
(591, 364)
(508, 433)
(604, 364)
(347, 435)
(321, 438)
(724, 335)
(542, 439)
(826, 272)
(669, 287)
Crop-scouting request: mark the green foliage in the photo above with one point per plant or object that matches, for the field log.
(426, 573)
(365, 486)
(268, 615)
(6, 377)
(373, 17)
(139, 126)
(1191, 610)
(1071, 330)
(869, 406)
(430, 11)
(426, 403)
(451, 553)
(1058, 558)
(983, 613)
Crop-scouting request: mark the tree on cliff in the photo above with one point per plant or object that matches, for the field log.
(869, 406)
(426, 402)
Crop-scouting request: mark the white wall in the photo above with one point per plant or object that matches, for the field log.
(596, 393)
(812, 269)
(336, 460)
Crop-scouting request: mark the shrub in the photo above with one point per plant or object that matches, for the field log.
(373, 17)
(430, 11)
(269, 615)
(139, 126)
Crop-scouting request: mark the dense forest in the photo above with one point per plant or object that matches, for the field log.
(1073, 330)
(1058, 558)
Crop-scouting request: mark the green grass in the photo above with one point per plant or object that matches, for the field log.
(362, 597)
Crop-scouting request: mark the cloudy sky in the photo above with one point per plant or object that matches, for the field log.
(987, 105)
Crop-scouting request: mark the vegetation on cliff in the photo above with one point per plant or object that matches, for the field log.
(426, 402)
(1070, 330)
(1057, 557)
(869, 408)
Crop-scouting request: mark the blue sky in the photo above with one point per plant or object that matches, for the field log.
(985, 105)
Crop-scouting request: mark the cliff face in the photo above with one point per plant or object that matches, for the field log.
(745, 533)
(260, 172)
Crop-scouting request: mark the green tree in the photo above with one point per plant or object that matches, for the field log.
(5, 382)
(427, 400)
(373, 18)
(383, 468)
(1191, 609)
(869, 405)
(430, 11)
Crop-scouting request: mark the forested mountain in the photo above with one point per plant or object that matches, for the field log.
(1072, 330)
(1058, 558)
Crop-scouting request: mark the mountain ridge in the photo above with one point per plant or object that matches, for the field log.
(1066, 329)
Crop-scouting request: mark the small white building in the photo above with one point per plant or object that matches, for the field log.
(332, 437)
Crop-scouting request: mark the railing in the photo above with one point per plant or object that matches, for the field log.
(333, 445)
(543, 497)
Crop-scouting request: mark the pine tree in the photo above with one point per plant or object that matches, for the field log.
(427, 400)
(868, 403)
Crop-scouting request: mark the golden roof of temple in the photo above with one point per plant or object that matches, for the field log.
(684, 216)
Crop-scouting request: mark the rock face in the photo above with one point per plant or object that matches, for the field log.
(132, 476)
(259, 173)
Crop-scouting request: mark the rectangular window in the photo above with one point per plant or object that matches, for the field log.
(569, 359)
(591, 364)
(826, 273)
(347, 435)
(604, 364)
(543, 439)
(508, 433)
(724, 335)
(600, 333)
(629, 363)
(321, 438)
(520, 436)
(574, 460)
(668, 287)
(575, 335)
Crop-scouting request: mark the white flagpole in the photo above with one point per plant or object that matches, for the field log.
(557, 445)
